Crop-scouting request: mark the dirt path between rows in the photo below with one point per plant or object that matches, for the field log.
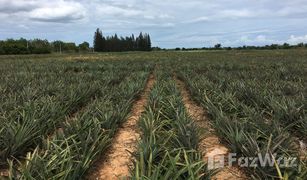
(118, 159)
(302, 150)
(209, 144)
(4, 173)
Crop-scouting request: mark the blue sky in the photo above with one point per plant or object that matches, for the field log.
(171, 23)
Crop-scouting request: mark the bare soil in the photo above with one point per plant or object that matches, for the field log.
(119, 159)
(302, 150)
(4, 173)
(209, 145)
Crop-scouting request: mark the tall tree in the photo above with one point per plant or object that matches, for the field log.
(98, 41)
(148, 43)
(140, 42)
(119, 43)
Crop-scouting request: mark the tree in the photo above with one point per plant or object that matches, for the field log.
(274, 46)
(217, 46)
(300, 45)
(85, 46)
(148, 41)
(133, 41)
(38, 46)
(286, 46)
(140, 41)
(70, 46)
(23, 46)
(119, 43)
(57, 46)
(98, 41)
(1, 47)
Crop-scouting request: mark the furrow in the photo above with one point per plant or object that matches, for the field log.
(210, 144)
(118, 160)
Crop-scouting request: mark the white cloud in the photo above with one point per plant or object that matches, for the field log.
(130, 10)
(160, 16)
(161, 25)
(197, 20)
(292, 11)
(61, 11)
(105, 9)
(164, 16)
(23, 26)
(13, 6)
(261, 38)
(236, 13)
(297, 39)
(258, 40)
(43, 10)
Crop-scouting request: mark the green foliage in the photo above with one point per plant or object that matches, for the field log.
(57, 122)
(115, 43)
(60, 47)
(255, 106)
(85, 46)
(59, 112)
(39, 46)
(23, 46)
(168, 148)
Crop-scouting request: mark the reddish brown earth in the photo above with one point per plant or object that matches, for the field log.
(118, 159)
(209, 144)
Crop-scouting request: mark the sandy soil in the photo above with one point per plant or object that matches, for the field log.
(4, 173)
(210, 144)
(118, 159)
(302, 150)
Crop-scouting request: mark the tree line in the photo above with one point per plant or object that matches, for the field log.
(39, 46)
(111, 44)
(265, 47)
(115, 43)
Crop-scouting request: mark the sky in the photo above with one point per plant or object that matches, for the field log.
(171, 23)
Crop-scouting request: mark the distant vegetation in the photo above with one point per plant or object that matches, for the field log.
(39, 46)
(266, 47)
(101, 44)
(115, 43)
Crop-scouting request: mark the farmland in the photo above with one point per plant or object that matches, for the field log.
(67, 116)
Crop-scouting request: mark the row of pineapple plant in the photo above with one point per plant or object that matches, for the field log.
(69, 153)
(168, 148)
(252, 110)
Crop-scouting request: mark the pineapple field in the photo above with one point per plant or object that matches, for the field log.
(154, 115)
